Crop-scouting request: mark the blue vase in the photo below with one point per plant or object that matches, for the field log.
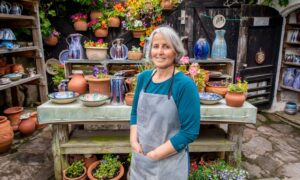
(288, 77)
(201, 49)
(296, 83)
(219, 47)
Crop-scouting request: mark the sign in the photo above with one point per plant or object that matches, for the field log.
(261, 21)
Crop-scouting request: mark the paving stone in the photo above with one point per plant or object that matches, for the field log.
(256, 146)
(287, 157)
(282, 144)
(272, 117)
(268, 131)
(261, 118)
(269, 164)
(295, 143)
(283, 128)
(251, 126)
(248, 134)
(290, 171)
(253, 170)
(272, 178)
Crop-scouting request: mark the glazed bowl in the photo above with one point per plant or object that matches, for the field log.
(63, 97)
(209, 98)
(13, 76)
(93, 99)
(290, 108)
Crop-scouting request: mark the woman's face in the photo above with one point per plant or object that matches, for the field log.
(162, 52)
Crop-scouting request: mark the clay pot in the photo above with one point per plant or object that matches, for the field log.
(234, 99)
(82, 177)
(134, 55)
(27, 126)
(14, 114)
(33, 116)
(95, 14)
(89, 160)
(7, 68)
(217, 89)
(17, 68)
(101, 86)
(6, 134)
(77, 83)
(166, 4)
(138, 33)
(114, 22)
(80, 25)
(95, 164)
(51, 40)
(101, 32)
(129, 98)
(2, 70)
(2, 62)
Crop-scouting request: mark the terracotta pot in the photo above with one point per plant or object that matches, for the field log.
(129, 98)
(166, 4)
(77, 83)
(6, 134)
(33, 117)
(94, 53)
(235, 99)
(82, 177)
(80, 25)
(134, 55)
(101, 32)
(114, 22)
(2, 70)
(17, 68)
(2, 62)
(101, 86)
(51, 40)
(14, 114)
(217, 89)
(89, 160)
(138, 33)
(27, 126)
(95, 14)
(7, 68)
(95, 164)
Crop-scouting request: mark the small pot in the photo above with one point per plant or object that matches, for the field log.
(14, 114)
(95, 164)
(82, 177)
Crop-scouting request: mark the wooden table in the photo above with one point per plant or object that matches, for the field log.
(117, 141)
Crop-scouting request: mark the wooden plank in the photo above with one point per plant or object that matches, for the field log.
(295, 119)
(18, 82)
(21, 49)
(15, 17)
(235, 134)
(291, 64)
(289, 88)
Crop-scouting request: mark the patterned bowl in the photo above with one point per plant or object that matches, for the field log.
(63, 97)
(93, 99)
(13, 76)
(209, 98)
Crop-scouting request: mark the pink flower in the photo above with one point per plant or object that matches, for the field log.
(185, 60)
(194, 166)
(192, 71)
(238, 78)
(100, 40)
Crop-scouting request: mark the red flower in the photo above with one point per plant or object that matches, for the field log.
(194, 166)
(201, 162)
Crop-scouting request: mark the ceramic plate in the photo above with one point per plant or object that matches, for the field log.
(209, 98)
(63, 56)
(49, 65)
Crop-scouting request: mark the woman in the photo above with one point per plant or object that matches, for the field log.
(165, 115)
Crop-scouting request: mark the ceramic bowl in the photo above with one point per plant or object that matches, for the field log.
(63, 97)
(13, 76)
(93, 99)
(4, 81)
(209, 98)
(290, 108)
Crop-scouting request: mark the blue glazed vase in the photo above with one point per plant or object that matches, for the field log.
(288, 77)
(219, 47)
(201, 49)
(296, 83)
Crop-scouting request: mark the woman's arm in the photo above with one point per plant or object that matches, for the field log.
(134, 141)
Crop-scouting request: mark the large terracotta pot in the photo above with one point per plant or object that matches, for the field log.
(51, 40)
(2, 62)
(14, 114)
(6, 134)
(89, 160)
(27, 126)
(80, 25)
(114, 22)
(138, 33)
(82, 177)
(101, 32)
(234, 99)
(95, 164)
(101, 86)
(77, 83)
(129, 98)
(95, 14)
(2, 70)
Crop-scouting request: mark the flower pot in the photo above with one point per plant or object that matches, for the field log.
(134, 55)
(217, 87)
(80, 25)
(17, 68)
(101, 32)
(114, 22)
(95, 14)
(234, 99)
(2, 70)
(95, 53)
(166, 4)
(95, 164)
(138, 33)
(129, 98)
(77, 83)
(88, 160)
(14, 114)
(27, 126)
(101, 86)
(51, 40)
(6, 134)
(82, 177)
(2, 62)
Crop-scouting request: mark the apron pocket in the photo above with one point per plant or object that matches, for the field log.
(143, 167)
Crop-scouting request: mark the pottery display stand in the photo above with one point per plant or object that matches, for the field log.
(116, 140)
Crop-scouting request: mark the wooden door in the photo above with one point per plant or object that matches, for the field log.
(258, 49)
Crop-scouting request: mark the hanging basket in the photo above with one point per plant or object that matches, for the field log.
(51, 40)
(80, 25)
(101, 32)
(95, 14)
(166, 5)
(138, 33)
(114, 22)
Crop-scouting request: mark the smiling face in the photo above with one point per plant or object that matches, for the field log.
(162, 52)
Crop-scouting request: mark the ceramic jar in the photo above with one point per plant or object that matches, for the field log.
(77, 83)
(290, 108)
(201, 49)
(14, 114)
(27, 126)
(288, 77)
(117, 87)
(234, 99)
(75, 47)
(219, 47)
(6, 134)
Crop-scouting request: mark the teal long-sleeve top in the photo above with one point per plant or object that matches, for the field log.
(186, 97)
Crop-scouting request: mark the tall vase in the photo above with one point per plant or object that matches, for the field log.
(77, 83)
(219, 47)
(201, 49)
(6, 134)
(288, 77)
(75, 47)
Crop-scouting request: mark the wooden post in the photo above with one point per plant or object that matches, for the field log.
(235, 134)
(60, 135)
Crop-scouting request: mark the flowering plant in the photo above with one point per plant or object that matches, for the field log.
(101, 22)
(198, 75)
(78, 17)
(59, 71)
(117, 11)
(184, 61)
(99, 43)
(91, 4)
(135, 49)
(55, 33)
(101, 73)
(239, 87)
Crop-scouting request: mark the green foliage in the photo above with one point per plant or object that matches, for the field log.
(91, 4)
(45, 13)
(136, 49)
(239, 86)
(108, 167)
(60, 74)
(75, 170)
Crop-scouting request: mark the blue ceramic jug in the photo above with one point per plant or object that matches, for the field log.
(288, 77)
(219, 47)
(75, 47)
(296, 83)
(201, 49)
(117, 86)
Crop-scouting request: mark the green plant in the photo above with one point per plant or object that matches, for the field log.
(108, 167)
(91, 4)
(101, 22)
(60, 74)
(76, 169)
(45, 13)
(239, 86)
(136, 49)
(198, 75)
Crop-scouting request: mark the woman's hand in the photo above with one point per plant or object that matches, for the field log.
(137, 147)
(152, 156)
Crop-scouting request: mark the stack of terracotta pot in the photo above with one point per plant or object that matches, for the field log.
(13, 115)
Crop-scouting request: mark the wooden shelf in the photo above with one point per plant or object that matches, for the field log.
(107, 61)
(293, 24)
(15, 17)
(291, 64)
(293, 43)
(18, 82)
(21, 49)
(289, 88)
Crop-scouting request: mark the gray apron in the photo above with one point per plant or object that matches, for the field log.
(157, 122)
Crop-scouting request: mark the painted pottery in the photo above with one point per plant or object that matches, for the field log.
(296, 83)
(80, 25)
(93, 99)
(219, 47)
(6, 134)
(201, 49)
(77, 83)
(16, 9)
(234, 99)
(95, 164)
(75, 47)
(63, 85)
(288, 77)
(27, 126)
(14, 114)
(119, 50)
(5, 7)
(64, 97)
(82, 177)
(209, 98)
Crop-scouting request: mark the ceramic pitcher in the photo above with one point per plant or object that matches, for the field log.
(118, 51)
(5, 7)
(16, 9)
(219, 47)
(296, 83)
(117, 87)
(75, 47)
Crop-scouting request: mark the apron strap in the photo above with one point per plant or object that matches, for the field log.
(154, 71)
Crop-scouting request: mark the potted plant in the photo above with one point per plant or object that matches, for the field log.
(99, 82)
(96, 50)
(99, 26)
(200, 76)
(135, 53)
(169, 4)
(52, 38)
(108, 168)
(236, 96)
(76, 171)
(183, 65)
(94, 6)
(114, 14)
(80, 21)
(59, 75)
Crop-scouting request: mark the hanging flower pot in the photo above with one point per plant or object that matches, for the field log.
(14, 114)
(101, 32)
(80, 25)
(51, 40)
(95, 14)
(6, 134)
(114, 22)
(138, 33)
(166, 4)
(235, 99)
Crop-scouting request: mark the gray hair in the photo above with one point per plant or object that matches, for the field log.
(172, 37)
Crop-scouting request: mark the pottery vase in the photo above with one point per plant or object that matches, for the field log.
(219, 47)
(75, 47)
(234, 99)
(6, 134)
(14, 114)
(27, 126)
(288, 77)
(119, 50)
(63, 85)
(296, 83)
(117, 87)
(201, 49)
(77, 83)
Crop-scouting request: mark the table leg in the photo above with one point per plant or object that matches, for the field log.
(235, 134)
(60, 135)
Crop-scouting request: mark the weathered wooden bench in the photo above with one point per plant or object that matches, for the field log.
(76, 141)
